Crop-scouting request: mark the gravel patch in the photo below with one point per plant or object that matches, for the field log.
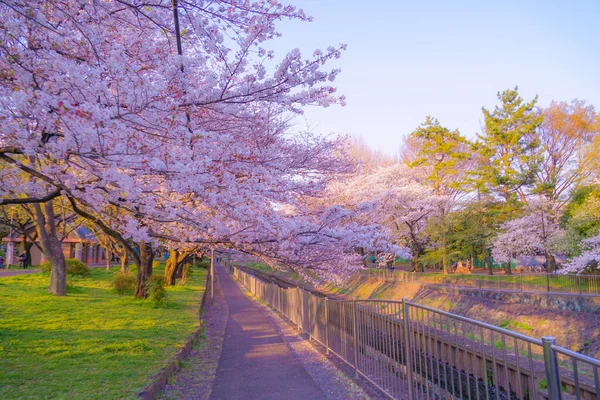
(195, 379)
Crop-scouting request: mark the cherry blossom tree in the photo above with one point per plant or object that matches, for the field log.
(530, 234)
(589, 258)
(397, 199)
(171, 112)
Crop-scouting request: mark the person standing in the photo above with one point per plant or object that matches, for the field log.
(22, 261)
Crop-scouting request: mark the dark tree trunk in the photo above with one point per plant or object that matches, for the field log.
(507, 270)
(550, 263)
(28, 246)
(361, 251)
(46, 228)
(490, 266)
(144, 269)
(417, 266)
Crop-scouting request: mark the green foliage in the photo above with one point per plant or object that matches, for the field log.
(260, 266)
(93, 344)
(444, 150)
(46, 267)
(578, 198)
(471, 229)
(124, 283)
(204, 262)
(509, 145)
(156, 289)
(74, 267)
(581, 220)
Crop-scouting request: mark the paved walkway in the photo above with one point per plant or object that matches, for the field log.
(255, 362)
(12, 272)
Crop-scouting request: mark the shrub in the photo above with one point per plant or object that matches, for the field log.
(203, 263)
(124, 282)
(156, 289)
(74, 267)
(46, 267)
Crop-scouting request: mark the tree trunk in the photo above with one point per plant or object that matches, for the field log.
(550, 263)
(185, 268)
(490, 266)
(445, 263)
(123, 259)
(361, 251)
(444, 257)
(414, 265)
(174, 267)
(144, 269)
(417, 266)
(507, 270)
(28, 246)
(170, 266)
(108, 257)
(46, 228)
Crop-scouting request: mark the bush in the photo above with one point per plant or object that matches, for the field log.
(124, 283)
(203, 263)
(156, 289)
(74, 267)
(46, 267)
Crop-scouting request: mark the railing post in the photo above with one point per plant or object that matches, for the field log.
(308, 315)
(521, 282)
(579, 283)
(326, 328)
(407, 348)
(551, 364)
(354, 334)
(299, 308)
(212, 273)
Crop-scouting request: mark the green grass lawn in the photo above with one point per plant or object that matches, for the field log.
(91, 344)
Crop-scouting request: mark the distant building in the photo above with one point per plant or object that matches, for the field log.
(81, 245)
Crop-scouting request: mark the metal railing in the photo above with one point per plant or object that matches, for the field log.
(414, 352)
(541, 283)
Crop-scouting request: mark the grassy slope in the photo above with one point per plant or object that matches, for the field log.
(91, 344)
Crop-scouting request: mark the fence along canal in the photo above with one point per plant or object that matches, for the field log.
(537, 283)
(416, 352)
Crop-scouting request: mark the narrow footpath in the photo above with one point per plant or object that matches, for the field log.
(249, 352)
(255, 362)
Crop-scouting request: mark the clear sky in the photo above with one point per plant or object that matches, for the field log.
(409, 59)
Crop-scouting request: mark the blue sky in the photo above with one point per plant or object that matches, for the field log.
(409, 59)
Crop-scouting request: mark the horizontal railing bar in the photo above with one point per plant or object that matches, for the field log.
(573, 354)
(465, 319)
